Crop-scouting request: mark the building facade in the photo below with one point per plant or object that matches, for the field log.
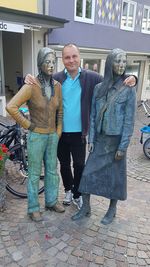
(24, 27)
(97, 26)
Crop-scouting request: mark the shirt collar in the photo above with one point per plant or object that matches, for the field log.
(67, 73)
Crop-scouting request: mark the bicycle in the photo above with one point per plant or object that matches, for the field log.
(15, 138)
(145, 131)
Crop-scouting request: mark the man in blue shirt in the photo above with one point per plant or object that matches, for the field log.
(77, 89)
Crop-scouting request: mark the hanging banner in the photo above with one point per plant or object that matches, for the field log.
(9, 27)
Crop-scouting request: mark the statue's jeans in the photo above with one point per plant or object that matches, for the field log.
(42, 148)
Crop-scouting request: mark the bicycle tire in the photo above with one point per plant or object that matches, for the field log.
(146, 148)
(14, 163)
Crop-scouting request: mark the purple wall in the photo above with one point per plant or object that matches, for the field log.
(97, 35)
(62, 8)
(144, 2)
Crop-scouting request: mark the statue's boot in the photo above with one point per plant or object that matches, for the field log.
(85, 210)
(111, 213)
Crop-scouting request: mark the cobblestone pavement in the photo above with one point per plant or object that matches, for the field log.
(57, 241)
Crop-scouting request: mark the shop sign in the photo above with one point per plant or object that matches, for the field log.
(10, 27)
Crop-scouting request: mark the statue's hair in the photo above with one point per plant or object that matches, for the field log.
(108, 73)
(114, 52)
(43, 52)
(109, 62)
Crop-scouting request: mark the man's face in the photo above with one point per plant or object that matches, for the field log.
(71, 58)
(48, 64)
(119, 64)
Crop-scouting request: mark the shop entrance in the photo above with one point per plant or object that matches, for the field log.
(12, 60)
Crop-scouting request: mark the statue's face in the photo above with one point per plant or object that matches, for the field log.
(48, 64)
(119, 63)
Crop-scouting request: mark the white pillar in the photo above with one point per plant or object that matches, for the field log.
(102, 67)
(2, 81)
(146, 83)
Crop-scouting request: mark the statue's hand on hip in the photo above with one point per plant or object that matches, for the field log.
(90, 147)
(119, 155)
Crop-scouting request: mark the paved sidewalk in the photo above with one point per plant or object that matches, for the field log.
(57, 241)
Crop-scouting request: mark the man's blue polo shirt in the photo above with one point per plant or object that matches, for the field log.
(71, 93)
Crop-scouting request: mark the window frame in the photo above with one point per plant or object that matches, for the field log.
(128, 28)
(83, 18)
(145, 30)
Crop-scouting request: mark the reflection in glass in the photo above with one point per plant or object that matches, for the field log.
(79, 8)
(88, 9)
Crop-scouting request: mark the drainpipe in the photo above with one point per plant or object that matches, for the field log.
(44, 9)
(45, 41)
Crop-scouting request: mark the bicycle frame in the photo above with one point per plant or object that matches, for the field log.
(146, 107)
(11, 135)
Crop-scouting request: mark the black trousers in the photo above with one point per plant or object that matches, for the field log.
(71, 153)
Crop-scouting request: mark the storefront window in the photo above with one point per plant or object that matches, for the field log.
(133, 69)
(91, 64)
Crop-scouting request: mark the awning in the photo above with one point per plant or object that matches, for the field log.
(31, 19)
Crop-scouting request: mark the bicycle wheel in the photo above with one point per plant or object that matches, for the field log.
(17, 174)
(146, 148)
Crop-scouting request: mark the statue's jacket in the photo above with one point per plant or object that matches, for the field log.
(44, 113)
(118, 118)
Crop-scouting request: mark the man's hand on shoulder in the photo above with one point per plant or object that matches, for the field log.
(130, 81)
(29, 79)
